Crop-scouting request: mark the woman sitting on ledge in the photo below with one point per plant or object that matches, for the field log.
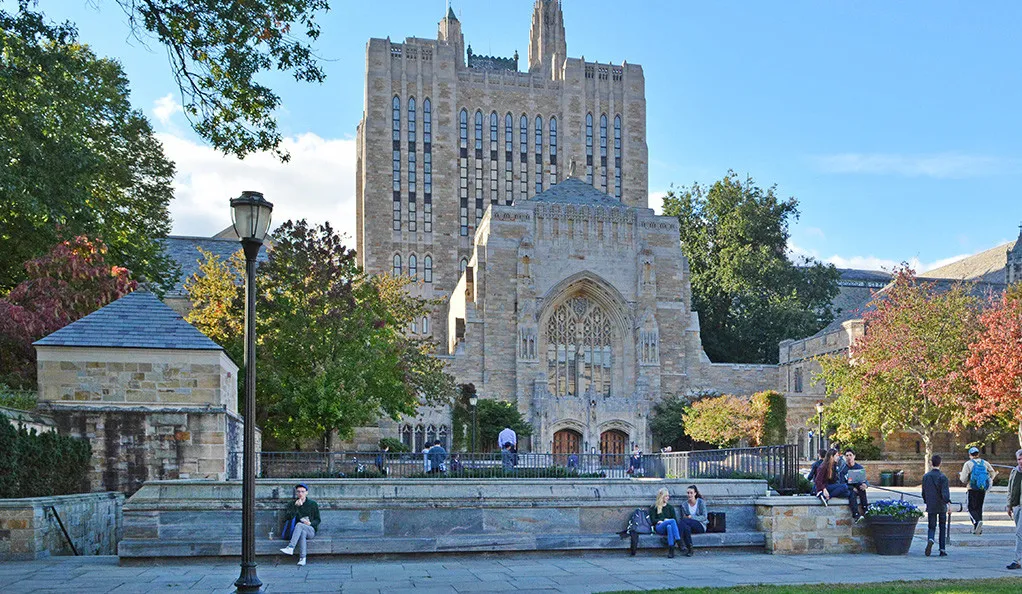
(661, 514)
(693, 516)
(826, 479)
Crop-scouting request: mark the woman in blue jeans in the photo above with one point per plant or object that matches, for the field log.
(827, 479)
(693, 515)
(661, 514)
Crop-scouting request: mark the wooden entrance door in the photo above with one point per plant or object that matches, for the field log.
(566, 442)
(613, 447)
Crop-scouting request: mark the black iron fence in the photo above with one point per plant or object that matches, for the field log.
(776, 464)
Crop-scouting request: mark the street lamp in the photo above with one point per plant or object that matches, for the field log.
(819, 411)
(473, 400)
(251, 215)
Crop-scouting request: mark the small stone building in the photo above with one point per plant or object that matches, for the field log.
(156, 397)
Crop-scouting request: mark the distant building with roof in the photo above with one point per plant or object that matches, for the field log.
(185, 250)
(156, 397)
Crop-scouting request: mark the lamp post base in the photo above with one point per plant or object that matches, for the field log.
(248, 582)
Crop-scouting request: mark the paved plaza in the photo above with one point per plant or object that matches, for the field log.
(519, 573)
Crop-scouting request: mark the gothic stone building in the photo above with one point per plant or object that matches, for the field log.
(520, 199)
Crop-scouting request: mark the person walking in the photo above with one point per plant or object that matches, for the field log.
(1015, 507)
(437, 458)
(306, 511)
(978, 475)
(936, 495)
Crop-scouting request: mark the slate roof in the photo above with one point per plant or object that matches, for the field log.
(185, 251)
(575, 191)
(987, 266)
(137, 320)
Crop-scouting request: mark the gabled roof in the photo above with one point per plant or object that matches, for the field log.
(137, 320)
(575, 191)
(985, 266)
(185, 251)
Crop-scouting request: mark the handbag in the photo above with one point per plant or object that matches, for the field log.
(289, 528)
(716, 522)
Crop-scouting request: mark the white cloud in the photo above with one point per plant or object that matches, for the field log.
(939, 165)
(872, 262)
(164, 109)
(656, 201)
(317, 184)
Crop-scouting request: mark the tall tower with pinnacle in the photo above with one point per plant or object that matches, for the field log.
(449, 31)
(547, 46)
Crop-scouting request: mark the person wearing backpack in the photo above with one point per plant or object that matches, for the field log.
(978, 475)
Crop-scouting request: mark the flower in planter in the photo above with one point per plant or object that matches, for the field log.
(895, 508)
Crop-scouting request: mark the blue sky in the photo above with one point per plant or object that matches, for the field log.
(896, 125)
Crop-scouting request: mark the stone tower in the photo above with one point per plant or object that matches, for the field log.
(449, 32)
(547, 46)
(1013, 268)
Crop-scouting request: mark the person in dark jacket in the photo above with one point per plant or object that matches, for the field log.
(820, 457)
(857, 500)
(665, 522)
(306, 511)
(936, 495)
(437, 456)
(827, 478)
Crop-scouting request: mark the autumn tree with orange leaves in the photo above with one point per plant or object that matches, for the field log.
(995, 363)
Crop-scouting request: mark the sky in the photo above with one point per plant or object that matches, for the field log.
(896, 125)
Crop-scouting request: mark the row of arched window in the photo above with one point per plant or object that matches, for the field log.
(427, 164)
(418, 436)
(604, 169)
(413, 267)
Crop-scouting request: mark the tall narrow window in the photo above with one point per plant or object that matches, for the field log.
(579, 355)
(493, 157)
(509, 141)
(539, 154)
(479, 186)
(603, 153)
(425, 324)
(463, 172)
(427, 268)
(396, 123)
(412, 184)
(413, 267)
(553, 151)
(589, 148)
(617, 156)
(464, 265)
(523, 157)
(427, 166)
(397, 264)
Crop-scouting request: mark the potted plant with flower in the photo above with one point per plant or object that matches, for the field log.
(892, 523)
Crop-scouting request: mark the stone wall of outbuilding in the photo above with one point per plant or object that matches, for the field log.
(29, 530)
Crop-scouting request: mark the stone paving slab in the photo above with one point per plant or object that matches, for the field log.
(513, 573)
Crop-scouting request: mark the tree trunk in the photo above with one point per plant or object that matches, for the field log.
(1020, 433)
(928, 448)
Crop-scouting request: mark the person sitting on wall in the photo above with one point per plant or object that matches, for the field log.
(306, 512)
(437, 457)
(827, 478)
(456, 465)
(820, 457)
(635, 463)
(693, 517)
(661, 515)
(857, 483)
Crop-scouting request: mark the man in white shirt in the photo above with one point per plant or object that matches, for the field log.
(508, 435)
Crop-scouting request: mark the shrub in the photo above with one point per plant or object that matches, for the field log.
(41, 465)
(17, 399)
(771, 405)
(395, 445)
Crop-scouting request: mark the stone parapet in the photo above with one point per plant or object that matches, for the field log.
(801, 525)
(29, 530)
(165, 518)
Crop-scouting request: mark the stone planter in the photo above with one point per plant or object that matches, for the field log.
(892, 536)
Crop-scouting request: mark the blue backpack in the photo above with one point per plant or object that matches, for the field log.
(978, 478)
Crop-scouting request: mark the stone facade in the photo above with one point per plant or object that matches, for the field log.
(28, 529)
(803, 526)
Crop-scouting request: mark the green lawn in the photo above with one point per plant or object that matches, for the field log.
(994, 586)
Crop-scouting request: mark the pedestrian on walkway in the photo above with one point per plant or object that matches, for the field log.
(937, 496)
(1015, 509)
(978, 475)
(306, 511)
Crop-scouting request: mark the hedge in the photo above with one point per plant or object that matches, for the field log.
(41, 465)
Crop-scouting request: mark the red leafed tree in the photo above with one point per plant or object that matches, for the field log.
(995, 363)
(68, 283)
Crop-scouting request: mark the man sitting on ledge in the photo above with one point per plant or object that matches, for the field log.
(306, 511)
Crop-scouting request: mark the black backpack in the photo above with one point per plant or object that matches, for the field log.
(638, 523)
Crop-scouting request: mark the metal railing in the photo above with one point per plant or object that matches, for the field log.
(776, 464)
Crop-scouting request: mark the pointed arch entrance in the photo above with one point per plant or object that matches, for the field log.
(566, 442)
(613, 447)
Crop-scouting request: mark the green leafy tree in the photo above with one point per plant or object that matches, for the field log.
(71, 281)
(334, 350)
(908, 371)
(722, 420)
(667, 423)
(461, 418)
(493, 416)
(771, 408)
(76, 158)
(749, 295)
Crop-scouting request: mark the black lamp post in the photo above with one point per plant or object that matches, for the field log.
(251, 215)
(473, 400)
(819, 411)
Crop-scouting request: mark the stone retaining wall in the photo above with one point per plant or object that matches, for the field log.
(169, 518)
(29, 531)
(803, 525)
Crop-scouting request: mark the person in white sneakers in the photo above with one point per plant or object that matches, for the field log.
(978, 475)
(306, 512)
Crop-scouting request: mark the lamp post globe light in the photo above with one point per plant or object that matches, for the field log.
(473, 401)
(251, 215)
(819, 411)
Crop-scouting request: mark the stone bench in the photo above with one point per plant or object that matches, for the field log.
(369, 516)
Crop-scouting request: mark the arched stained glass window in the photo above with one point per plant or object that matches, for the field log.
(603, 153)
(427, 166)
(413, 267)
(509, 141)
(589, 148)
(427, 269)
(579, 357)
(553, 151)
(397, 264)
(617, 156)
(412, 183)
(539, 154)
(463, 173)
